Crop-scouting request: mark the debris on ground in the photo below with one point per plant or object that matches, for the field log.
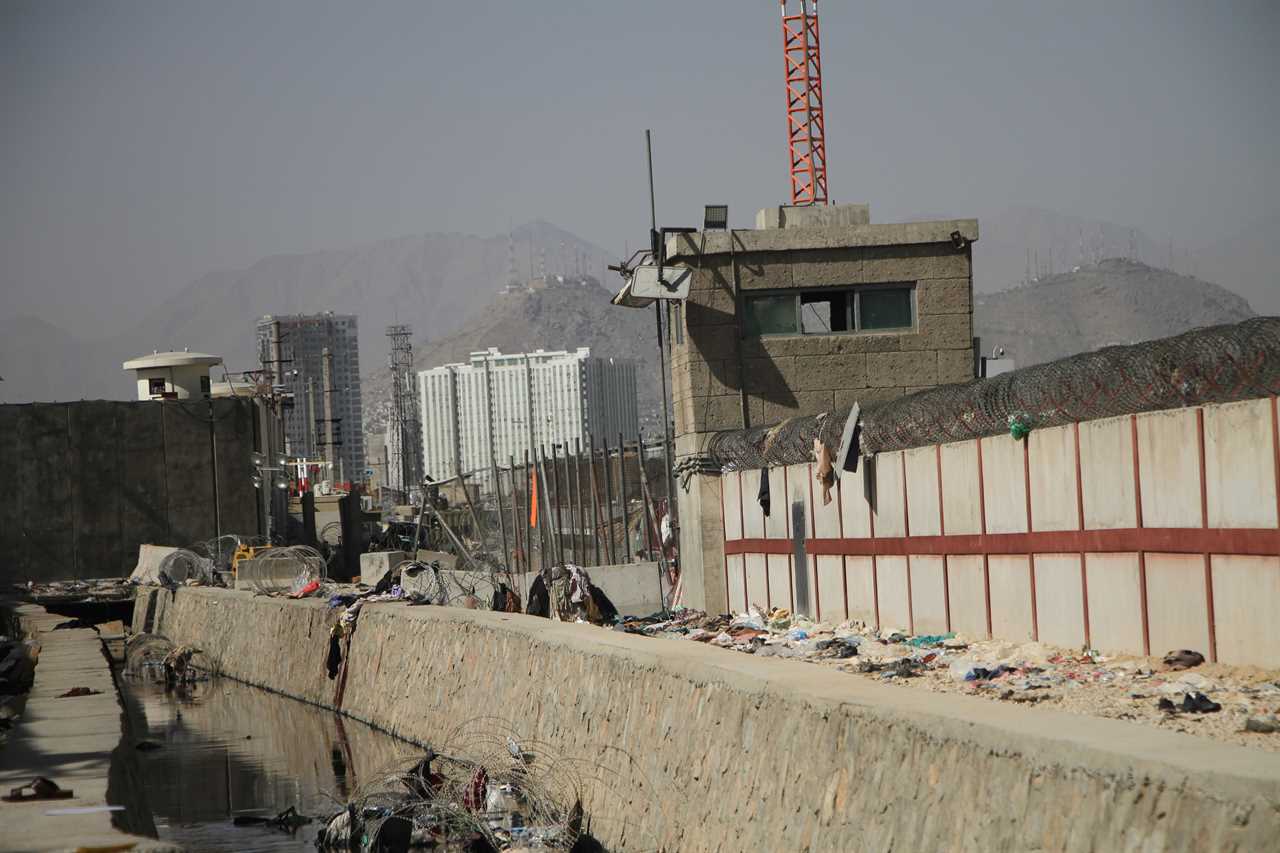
(1179, 691)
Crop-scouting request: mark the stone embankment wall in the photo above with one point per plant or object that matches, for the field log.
(691, 748)
(1136, 534)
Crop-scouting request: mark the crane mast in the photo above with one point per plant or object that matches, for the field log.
(806, 126)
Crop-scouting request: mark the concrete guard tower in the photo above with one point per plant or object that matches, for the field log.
(813, 310)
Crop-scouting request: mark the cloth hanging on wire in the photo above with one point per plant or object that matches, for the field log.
(763, 495)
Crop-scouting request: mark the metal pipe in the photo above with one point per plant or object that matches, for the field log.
(575, 495)
(595, 501)
(608, 502)
(622, 487)
(515, 511)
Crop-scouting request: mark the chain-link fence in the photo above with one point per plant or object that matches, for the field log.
(1219, 364)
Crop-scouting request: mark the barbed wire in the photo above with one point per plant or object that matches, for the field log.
(1218, 364)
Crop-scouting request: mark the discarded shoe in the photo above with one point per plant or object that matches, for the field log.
(79, 691)
(1198, 703)
(40, 788)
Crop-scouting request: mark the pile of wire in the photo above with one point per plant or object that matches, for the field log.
(480, 781)
(151, 657)
(182, 566)
(288, 569)
(1219, 364)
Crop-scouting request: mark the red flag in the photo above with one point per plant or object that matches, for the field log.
(533, 498)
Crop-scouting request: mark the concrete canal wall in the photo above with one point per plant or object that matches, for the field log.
(693, 748)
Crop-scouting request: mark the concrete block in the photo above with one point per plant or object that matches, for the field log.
(1246, 598)
(1169, 469)
(735, 584)
(376, 564)
(961, 510)
(890, 369)
(717, 413)
(941, 332)
(1115, 602)
(827, 372)
(785, 345)
(944, 296)
(813, 216)
(923, 509)
(859, 588)
(765, 411)
(757, 580)
(899, 263)
(968, 592)
(891, 578)
(1240, 474)
(1106, 474)
(826, 517)
(711, 343)
(1053, 479)
(765, 375)
(830, 589)
(954, 366)
(777, 524)
(827, 267)
(765, 271)
(845, 398)
(1177, 616)
(1060, 599)
(1004, 484)
(889, 503)
(1010, 596)
(709, 308)
(731, 495)
(855, 509)
(928, 595)
(781, 588)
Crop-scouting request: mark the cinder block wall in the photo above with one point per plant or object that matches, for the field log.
(1136, 534)
(788, 375)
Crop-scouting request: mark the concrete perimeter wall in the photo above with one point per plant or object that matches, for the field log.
(686, 747)
(1139, 534)
(90, 481)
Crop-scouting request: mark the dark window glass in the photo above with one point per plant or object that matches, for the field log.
(204, 385)
(155, 386)
(888, 308)
(773, 314)
(823, 313)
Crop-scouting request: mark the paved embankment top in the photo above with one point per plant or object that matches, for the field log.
(729, 752)
(66, 739)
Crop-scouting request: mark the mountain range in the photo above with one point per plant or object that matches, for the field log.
(449, 288)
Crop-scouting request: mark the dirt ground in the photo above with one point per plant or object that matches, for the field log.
(1078, 681)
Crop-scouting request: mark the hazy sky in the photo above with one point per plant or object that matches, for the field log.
(146, 143)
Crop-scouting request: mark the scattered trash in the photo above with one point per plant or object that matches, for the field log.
(39, 788)
(1020, 425)
(1267, 725)
(79, 691)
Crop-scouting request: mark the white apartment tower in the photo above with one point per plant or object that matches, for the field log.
(498, 406)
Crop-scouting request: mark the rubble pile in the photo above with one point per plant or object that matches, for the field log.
(1179, 692)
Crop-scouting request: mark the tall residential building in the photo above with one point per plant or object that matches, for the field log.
(294, 347)
(497, 406)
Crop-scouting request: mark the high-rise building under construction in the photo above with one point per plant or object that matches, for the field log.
(316, 358)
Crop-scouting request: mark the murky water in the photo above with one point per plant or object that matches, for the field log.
(224, 749)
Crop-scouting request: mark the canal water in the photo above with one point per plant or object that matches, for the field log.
(197, 757)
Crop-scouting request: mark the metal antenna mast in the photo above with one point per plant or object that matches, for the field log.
(404, 410)
(806, 126)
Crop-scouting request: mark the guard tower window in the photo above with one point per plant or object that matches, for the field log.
(827, 310)
(205, 387)
(155, 386)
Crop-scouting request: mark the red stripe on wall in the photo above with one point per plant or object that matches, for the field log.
(1261, 542)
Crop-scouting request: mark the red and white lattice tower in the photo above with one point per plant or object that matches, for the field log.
(806, 126)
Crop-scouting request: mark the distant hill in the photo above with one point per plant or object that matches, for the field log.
(561, 317)
(432, 281)
(1116, 301)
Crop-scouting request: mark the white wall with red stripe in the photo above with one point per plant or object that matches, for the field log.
(1139, 534)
